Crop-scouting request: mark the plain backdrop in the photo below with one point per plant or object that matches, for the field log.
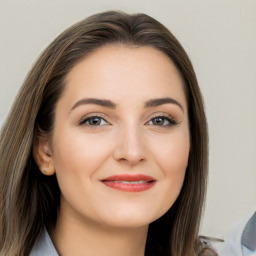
(220, 38)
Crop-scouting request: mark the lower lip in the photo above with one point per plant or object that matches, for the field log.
(129, 187)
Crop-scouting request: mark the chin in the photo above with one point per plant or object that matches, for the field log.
(135, 219)
(128, 223)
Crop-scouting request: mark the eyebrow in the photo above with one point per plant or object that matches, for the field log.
(161, 101)
(100, 102)
(112, 105)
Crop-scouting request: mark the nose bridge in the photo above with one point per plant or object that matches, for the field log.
(130, 146)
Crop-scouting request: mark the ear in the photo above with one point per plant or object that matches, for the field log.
(43, 155)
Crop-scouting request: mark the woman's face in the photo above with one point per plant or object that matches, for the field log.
(120, 143)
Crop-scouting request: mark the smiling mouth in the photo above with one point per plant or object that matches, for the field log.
(130, 183)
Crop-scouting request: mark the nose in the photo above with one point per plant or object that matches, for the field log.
(130, 148)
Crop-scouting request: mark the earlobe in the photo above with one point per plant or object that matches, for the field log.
(43, 156)
(48, 171)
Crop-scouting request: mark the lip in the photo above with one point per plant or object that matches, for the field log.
(130, 182)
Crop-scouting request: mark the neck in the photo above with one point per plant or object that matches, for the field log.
(88, 238)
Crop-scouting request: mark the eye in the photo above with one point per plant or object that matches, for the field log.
(94, 121)
(162, 121)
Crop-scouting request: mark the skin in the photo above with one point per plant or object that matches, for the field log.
(126, 139)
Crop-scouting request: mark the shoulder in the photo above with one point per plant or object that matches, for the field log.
(43, 246)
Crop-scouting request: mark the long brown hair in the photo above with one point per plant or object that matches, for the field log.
(29, 201)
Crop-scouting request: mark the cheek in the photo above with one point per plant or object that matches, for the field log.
(173, 154)
(79, 154)
(174, 171)
(175, 159)
(77, 159)
(172, 157)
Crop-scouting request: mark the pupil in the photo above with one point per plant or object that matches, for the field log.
(158, 121)
(94, 121)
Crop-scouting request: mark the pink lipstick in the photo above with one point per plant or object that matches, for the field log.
(130, 182)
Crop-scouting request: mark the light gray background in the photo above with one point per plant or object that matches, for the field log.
(220, 38)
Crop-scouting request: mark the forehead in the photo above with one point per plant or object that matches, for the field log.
(113, 70)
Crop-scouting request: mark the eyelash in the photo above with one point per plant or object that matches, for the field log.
(171, 121)
(87, 119)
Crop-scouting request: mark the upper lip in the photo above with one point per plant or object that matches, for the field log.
(129, 177)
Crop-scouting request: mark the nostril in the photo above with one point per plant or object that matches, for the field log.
(130, 148)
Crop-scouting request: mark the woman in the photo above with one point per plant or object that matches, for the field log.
(105, 148)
